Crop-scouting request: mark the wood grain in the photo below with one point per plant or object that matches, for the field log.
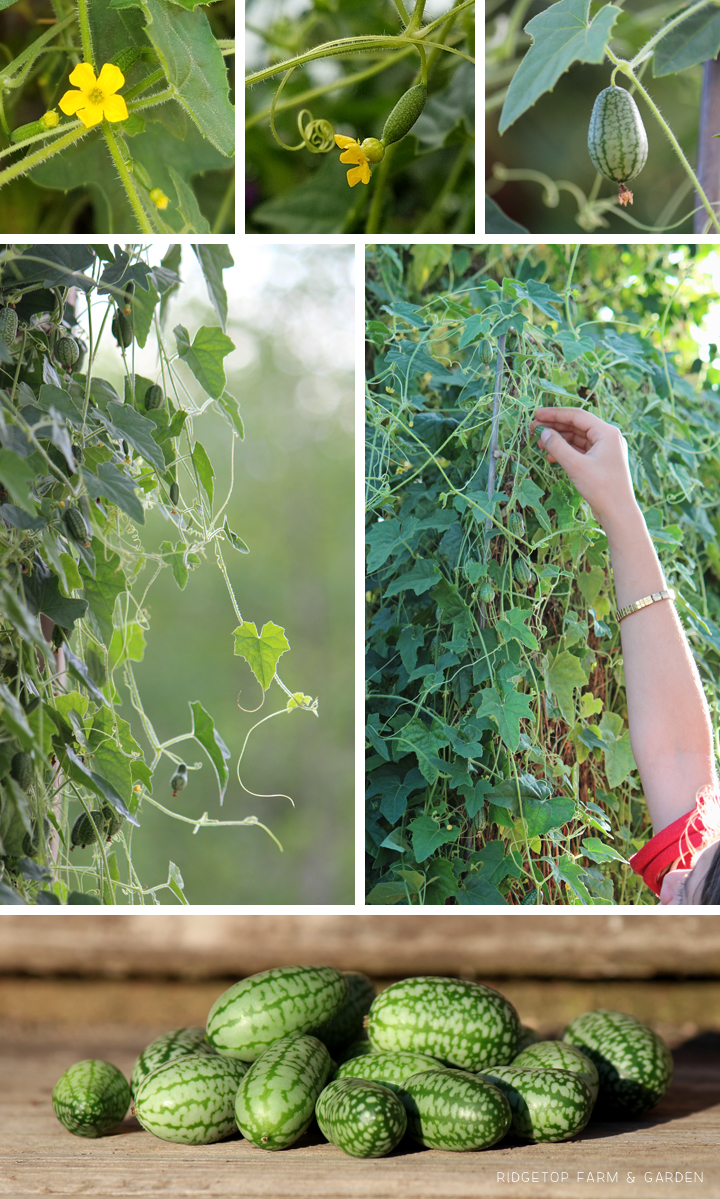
(189, 946)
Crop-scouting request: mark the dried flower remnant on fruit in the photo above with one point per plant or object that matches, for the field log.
(95, 100)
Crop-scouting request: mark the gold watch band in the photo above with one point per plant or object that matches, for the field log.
(645, 602)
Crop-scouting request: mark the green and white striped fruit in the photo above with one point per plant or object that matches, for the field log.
(8, 325)
(181, 1042)
(347, 1026)
(635, 1066)
(21, 769)
(76, 525)
(154, 397)
(122, 330)
(522, 572)
(516, 524)
(556, 1055)
(276, 1099)
(486, 351)
(390, 1069)
(91, 1098)
(178, 782)
(113, 821)
(487, 593)
(546, 1105)
(455, 1110)
(463, 1023)
(67, 352)
(250, 1015)
(362, 1118)
(87, 829)
(190, 1100)
(617, 140)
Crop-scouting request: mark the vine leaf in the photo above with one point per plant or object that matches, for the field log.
(80, 773)
(187, 205)
(562, 35)
(205, 732)
(214, 260)
(428, 835)
(117, 487)
(136, 429)
(205, 471)
(507, 711)
(696, 39)
(205, 356)
(235, 541)
(43, 594)
(562, 675)
(263, 651)
(101, 592)
(176, 560)
(231, 408)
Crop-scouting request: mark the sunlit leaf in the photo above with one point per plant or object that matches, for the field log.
(261, 651)
(205, 732)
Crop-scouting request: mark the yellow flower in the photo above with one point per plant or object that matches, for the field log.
(353, 153)
(159, 198)
(95, 98)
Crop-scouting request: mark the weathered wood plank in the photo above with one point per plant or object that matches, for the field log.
(584, 945)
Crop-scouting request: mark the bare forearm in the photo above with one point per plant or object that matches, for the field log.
(670, 728)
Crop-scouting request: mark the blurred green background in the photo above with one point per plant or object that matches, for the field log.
(291, 317)
(551, 137)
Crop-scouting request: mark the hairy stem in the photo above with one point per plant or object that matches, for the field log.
(33, 160)
(85, 34)
(126, 180)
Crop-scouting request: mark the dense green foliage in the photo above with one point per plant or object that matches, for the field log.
(73, 598)
(499, 766)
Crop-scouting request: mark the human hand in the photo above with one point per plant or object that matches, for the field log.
(594, 455)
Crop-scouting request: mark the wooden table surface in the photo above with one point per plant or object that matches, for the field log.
(679, 1141)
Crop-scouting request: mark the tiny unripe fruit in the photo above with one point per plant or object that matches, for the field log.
(486, 351)
(404, 114)
(487, 593)
(174, 493)
(154, 397)
(373, 149)
(522, 572)
(67, 352)
(87, 829)
(77, 525)
(122, 330)
(617, 141)
(113, 821)
(21, 769)
(179, 780)
(8, 325)
(516, 524)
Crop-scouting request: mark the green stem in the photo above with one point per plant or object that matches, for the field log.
(416, 18)
(33, 160)
(402, 10)
(157, 98)
(347, 45)
(626, 69)
(683, 16)
(85, 34)
(148, 81)
(568, 285)
(35, 48)
(225, 206)
(447, 189)
(133, 197)
(373, 221)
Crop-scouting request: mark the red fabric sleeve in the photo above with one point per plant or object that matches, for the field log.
(680, 840)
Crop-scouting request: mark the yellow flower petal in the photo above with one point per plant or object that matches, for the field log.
(353, 154)
(115, 108)
(342, 141)
(91, 115)
(70, 102)
(83, 76)
(111, 79)
(359, 174)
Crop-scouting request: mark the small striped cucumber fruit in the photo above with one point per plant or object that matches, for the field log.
(8, 325)
(113, 821)
(21, 769)
(76, 525)
(276, 1099)
(122, 330)
(191, 1100)
(91, 1098)
(178, 782)
(174, 493)
(635, 1066)
(87, 829)
(465, 1024)
(617, 140)
(253, 1013)
(154, 397)
(546, 1105)
(487, 593)
(404, 114)
(455, 1110)
(486, 351)
(348, 1025)
(67, 352)
(181, 1042)
(362, 1118)
(522, 572)
(390, 1069)
(556, 1055)
(516, 524)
